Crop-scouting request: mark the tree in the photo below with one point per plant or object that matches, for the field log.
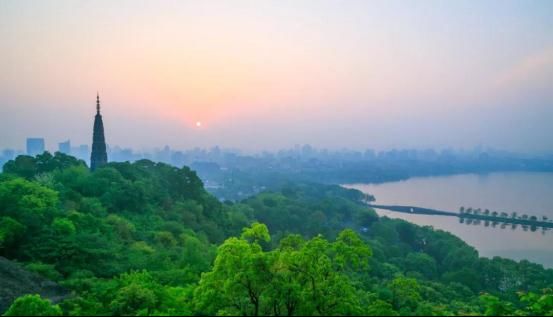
(33, 305)
(64, 226)
(380, 308)
(366, 217)
(406, 293)
(494, 306)
(138, 294)
(538, 304)
(85, 230)
(10, 231)
(47, 270)
(407, 233)
(243, 271)
(325, 289)
(423, 263)
(351, 252)
(21, 196)
(256, 233)
(239, 277)
(29, 205)
(28, 166)
(303, 278)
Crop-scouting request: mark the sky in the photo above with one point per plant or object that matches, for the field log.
(265, 75)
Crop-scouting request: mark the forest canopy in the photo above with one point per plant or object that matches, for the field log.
(145, 238)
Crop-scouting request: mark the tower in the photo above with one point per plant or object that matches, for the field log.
(99, 156)
(35, 146)
(65, 147)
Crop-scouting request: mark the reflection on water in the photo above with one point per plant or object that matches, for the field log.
(524, 193)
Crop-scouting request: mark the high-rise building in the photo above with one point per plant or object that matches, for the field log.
(65, 147)
(81, 152)
(99, 155)
(35, 146)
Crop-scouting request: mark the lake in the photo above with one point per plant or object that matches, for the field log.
(523, 192)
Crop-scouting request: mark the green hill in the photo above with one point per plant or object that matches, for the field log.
(145, 238)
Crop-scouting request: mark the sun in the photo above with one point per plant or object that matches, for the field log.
(198, 124)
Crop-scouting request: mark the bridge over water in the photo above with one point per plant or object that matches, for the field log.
(531, 222)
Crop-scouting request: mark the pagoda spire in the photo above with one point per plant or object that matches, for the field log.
(98, 157)
(97, 102)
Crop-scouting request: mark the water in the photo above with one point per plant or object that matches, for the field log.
(523, 192)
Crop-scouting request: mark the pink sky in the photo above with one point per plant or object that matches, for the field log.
(266, 75)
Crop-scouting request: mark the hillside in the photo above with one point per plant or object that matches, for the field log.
(16, 281)
(146, 238)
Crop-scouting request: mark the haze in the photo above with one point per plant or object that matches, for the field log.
(271, 74)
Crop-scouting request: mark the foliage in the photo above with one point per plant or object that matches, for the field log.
(10, 231)
(33, 305)
(300, 277)
(145, 238)
(538, 304)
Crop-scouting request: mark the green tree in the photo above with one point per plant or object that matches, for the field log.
(538, 304)
(494, 306)
(423, 263)
(380, 308)
(366, 217)
(20, 198)
(33, 305)
(10, 231)
(256, 233)
(303, 278)
(139, 294)
(406, 293)
(47, 270)
(64, 226)
(29, 167)
(240, 276)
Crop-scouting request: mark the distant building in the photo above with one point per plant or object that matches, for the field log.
(99, 155)
(35, 146)
(5, 156)
(65, 147)
(8, 154)
(81, 152)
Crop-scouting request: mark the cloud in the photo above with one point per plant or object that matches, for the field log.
(533, 74)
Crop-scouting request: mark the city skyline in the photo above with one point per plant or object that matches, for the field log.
(56, 146)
